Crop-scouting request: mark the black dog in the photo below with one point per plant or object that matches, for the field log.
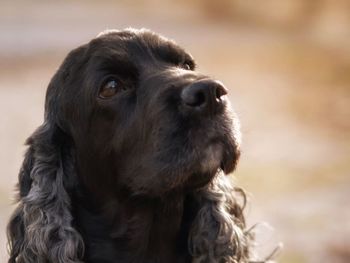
(127, 166)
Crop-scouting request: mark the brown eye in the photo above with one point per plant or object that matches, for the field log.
(109, 88)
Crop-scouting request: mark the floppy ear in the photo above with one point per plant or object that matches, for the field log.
(40, 230)
(15, 229)
(218, 231)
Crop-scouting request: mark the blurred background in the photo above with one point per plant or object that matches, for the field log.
(286, 64)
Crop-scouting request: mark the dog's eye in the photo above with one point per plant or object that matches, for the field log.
(110, 88)
(188, 65)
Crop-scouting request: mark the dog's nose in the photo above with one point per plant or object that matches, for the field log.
(204, 95)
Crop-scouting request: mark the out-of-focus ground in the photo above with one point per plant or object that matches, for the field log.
(286, 64)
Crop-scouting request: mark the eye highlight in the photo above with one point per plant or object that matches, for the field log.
(110, 87)
(187, 65)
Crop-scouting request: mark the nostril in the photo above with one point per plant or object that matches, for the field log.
(220, 91)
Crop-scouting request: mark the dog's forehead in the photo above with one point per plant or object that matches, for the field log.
(138, 40)
(137, 35)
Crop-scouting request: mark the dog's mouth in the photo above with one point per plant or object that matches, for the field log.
(187, 154)
(212, 147)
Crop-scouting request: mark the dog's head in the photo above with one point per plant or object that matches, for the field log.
(141, 117)
(129, 115)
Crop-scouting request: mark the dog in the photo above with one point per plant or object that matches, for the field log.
(131, 161)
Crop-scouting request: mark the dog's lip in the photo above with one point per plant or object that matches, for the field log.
(228, 164)
(226, 169)
(222, 166)
(199, 180)
(228, 158)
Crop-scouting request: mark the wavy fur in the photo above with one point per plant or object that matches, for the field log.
(217, 234)
(40, 229)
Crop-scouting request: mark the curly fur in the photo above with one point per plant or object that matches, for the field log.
(49, 223)
(41, 229)
(218, 232)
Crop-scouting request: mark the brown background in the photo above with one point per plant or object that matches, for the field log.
(286, 64)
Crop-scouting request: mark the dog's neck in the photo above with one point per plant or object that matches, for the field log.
(143, 230)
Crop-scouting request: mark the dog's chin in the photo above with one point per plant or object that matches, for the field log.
(220, 156)
(191, 171)
(215, 159)
(229, 160)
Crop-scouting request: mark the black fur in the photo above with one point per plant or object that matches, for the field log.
(137, 177)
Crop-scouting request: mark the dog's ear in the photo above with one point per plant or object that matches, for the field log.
(40, 229)
(15, 229)
(218, 231)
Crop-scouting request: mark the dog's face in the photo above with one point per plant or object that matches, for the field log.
(141, 118)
